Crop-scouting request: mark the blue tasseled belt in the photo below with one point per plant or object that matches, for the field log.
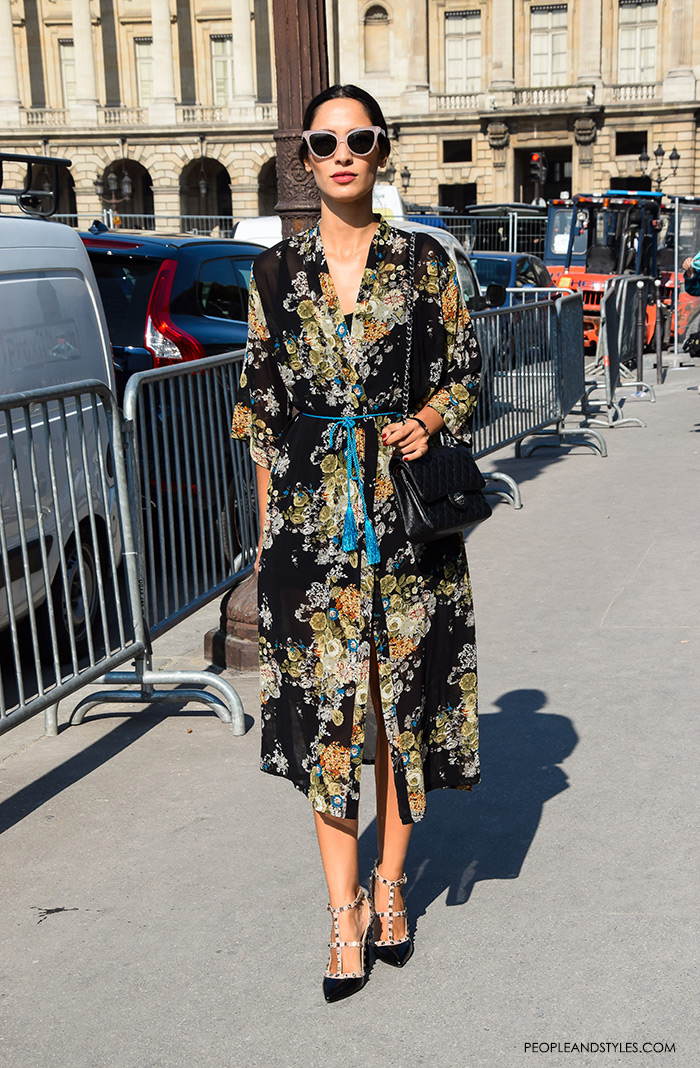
(347, 422)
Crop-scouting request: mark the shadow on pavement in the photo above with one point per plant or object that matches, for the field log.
(471, 837)
(37, 793)
(528, 468)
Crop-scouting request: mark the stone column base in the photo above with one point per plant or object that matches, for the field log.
(679, 87)
(235, 643)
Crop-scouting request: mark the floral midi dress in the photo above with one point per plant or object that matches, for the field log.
(322, 604)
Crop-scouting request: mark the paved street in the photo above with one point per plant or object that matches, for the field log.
(163, 901)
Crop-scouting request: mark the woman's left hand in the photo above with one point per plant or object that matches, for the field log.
(409, 438)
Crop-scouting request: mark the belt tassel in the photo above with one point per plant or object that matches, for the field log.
(349, 542)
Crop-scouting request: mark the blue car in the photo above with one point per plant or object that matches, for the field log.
(512, 270)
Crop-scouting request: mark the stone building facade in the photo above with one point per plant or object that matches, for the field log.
(178, 96)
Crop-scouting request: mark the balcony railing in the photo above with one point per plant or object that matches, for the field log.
(197, 113)
(456, 102)
(643, 91)
(202, 114)
(525, 97)
(557, 94)
(121, 116)
(44, 116)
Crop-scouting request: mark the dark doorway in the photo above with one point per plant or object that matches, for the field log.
(557, 179)
(457, 195)
(639, 182)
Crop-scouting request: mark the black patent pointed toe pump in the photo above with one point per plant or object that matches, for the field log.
(393, 951)
(338, 984)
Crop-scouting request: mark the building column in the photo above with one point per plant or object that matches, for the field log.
(242, 50)
(162, 108)
(9, 85)
(502, 66)
(416, 97)
(590, 39)
(84, 110)
(679, 83)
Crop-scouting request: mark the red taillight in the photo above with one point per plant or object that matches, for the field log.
(163, 338)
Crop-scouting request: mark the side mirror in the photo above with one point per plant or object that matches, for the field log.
(495, 295)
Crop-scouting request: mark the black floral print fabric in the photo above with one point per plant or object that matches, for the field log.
(322, 604)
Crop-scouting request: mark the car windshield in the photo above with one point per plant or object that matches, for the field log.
(125, 287)
(492, 271)
(466, 279)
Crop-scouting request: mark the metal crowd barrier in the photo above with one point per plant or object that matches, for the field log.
(192, 497)
(532, 376)
(138, 524)
(621, 340)
(500, 233)
(529, 294)
(69, 594)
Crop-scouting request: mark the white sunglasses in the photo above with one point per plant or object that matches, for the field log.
(360, 142)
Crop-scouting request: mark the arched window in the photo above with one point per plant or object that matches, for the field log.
(376, 40)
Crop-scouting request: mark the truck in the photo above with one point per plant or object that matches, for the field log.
(593, 238)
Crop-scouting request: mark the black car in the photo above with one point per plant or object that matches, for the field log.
(169, 299)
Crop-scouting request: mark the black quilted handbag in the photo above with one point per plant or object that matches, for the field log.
(441, 492)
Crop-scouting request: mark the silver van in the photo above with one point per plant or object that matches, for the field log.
(52, 332)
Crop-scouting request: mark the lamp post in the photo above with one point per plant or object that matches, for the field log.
(659, 154)
(114, 184)
(405, 178)
(301, 67)
(301, 61)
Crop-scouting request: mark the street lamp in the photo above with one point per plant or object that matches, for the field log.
(114, 185)
(202, 183)
(659, 154)
(390, 172)
(405, 178)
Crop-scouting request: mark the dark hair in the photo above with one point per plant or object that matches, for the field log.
(347, 92)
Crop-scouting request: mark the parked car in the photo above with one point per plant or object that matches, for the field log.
(472, 294)
(169, 299)
(512, 270)
(52, 332)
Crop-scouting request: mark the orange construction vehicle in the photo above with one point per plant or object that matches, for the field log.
(591, 239)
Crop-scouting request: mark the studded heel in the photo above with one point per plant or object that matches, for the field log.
(338, 984)
(394, 951)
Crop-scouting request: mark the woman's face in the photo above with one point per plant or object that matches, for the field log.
(342, 176)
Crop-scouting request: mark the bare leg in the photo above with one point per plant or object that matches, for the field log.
(392, 835)
(337, 840)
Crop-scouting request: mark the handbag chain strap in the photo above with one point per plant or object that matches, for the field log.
(409, 324)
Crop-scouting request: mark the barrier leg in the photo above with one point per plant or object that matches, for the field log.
(558, 436)
(616, 418)
(513, 497)
(191, 686)
(51, 721)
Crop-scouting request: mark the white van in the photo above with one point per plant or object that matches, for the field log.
(52, 332)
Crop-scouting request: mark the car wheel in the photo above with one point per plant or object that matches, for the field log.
(81, 604)
(230, 522)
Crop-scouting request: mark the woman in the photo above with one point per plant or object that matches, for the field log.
(347, 606)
